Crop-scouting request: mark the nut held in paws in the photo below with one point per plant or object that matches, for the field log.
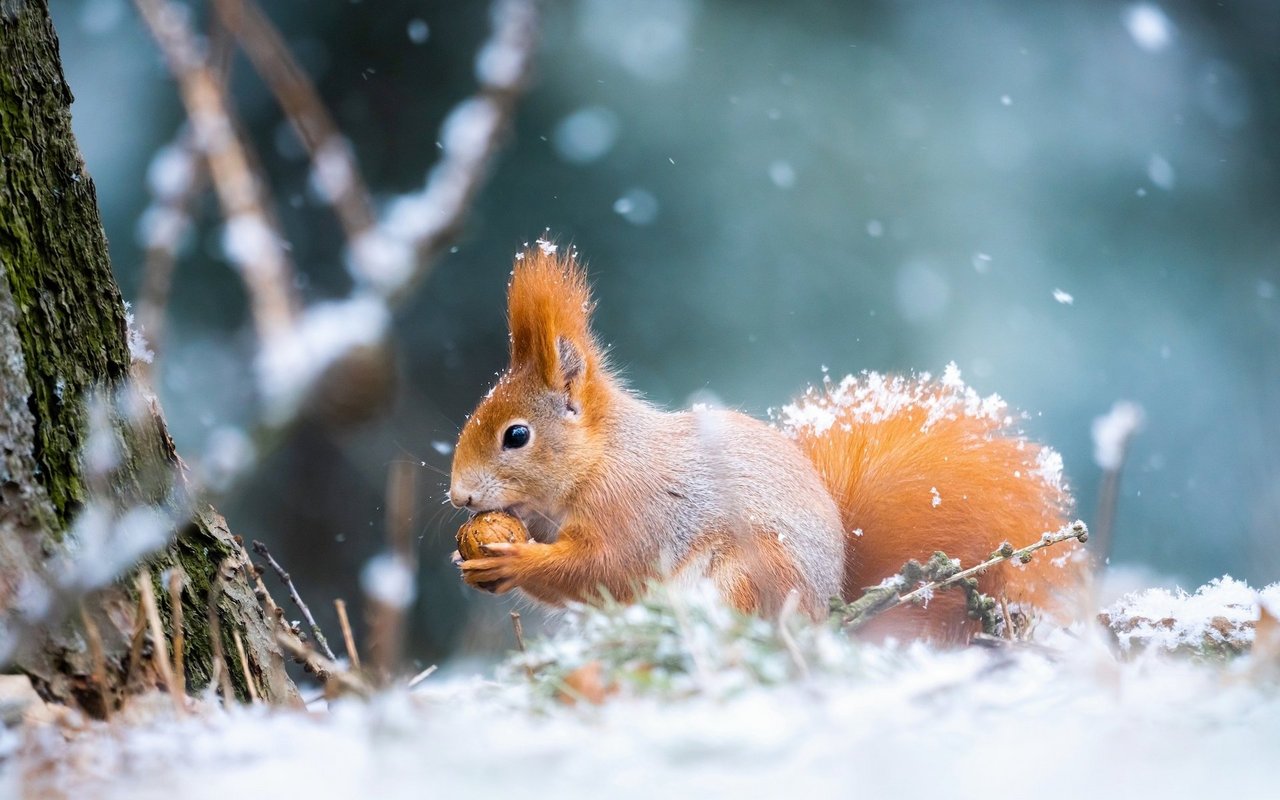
(487, 528)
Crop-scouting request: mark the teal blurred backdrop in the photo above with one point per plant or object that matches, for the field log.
(1076, 202)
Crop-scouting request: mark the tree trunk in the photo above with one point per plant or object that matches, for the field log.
(64, 347)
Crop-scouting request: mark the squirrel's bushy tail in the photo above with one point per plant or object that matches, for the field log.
(918, 465)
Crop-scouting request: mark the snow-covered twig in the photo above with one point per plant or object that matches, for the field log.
(889, 595)
(1112, 433)
(416, 228)
(251, 240)
(175, 178)
(261, 549)
(335, 174)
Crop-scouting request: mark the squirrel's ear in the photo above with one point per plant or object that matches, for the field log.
(549, 309)
(571, 372)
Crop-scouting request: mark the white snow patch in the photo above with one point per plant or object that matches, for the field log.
(1161, 172)
(1063, 297)
(863, 725)
(138, 350)
(586, 135)
(637, 206)
(1112, 431)
(1149, 26)
(419, 31)
(936, 499)
(331, 169)
(388, 579)
(170, 172)
(1169, 619)
(290, 362)
(782, 174)
(871, 398)
(248, 240)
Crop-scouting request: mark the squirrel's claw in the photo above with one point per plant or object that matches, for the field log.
(495, 573)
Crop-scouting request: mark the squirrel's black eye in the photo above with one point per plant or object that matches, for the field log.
(516, 436)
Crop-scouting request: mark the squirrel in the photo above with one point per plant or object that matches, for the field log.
(858, 477)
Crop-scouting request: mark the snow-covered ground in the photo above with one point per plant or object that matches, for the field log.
(1073, 716)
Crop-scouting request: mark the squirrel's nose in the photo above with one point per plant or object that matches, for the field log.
(460, 498)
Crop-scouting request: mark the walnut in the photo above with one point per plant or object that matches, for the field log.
(487, 528)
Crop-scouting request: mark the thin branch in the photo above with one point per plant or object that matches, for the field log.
(421, 676)
(220, 666)
(261, 549)
(389, 579)
(320, 665)
(888, 595)
(418, 228)
(333, 166)
(518, 627)
(348, 639)
(252, 241)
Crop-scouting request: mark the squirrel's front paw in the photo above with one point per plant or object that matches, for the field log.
(499, 572)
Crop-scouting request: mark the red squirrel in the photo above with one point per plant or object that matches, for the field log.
(861, 476)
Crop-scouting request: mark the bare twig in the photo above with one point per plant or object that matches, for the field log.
(421, 676)
(333, 166)
(348, 639)
(390, 586)
(220, 666)
(299, 649)
(261, 549)
(888, 595)
(518, 627)
(135, 644)
(244, 665)
(399, 252)
(1113, 432)
(159, 645)
(94, 636)
(179, 636)
(789, 607)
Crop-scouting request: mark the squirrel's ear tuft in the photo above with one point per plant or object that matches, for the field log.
(549, 310)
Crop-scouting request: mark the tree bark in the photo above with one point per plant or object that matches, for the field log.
(63, 342)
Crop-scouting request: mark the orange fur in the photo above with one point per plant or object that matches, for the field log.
(548, 298)
(909, 483)
(616, 492)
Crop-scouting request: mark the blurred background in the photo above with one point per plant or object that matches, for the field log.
(1075, 202)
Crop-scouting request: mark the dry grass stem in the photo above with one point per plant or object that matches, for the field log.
(244, 666)
(94, 636)
(298, 649)
(179, 635)
(159, 645)
(348, 639)
(421, 676)
(386, 628)
(518, 626)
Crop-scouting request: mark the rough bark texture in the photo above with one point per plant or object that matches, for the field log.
(63, 335)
